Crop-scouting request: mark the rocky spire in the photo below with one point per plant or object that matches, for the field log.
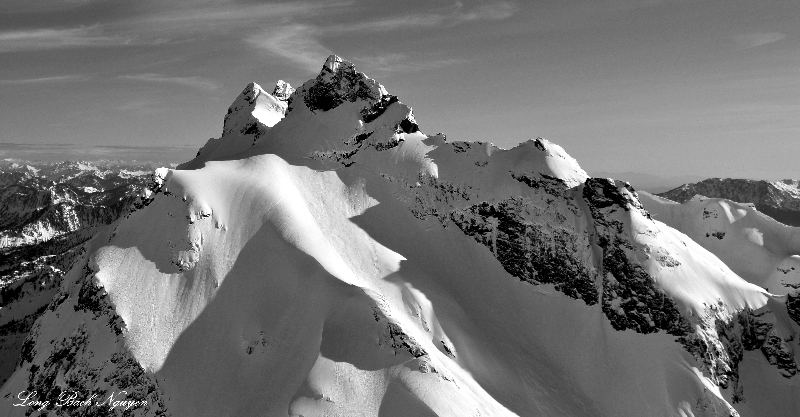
(282, 90)
(340, 82)
(254, 110)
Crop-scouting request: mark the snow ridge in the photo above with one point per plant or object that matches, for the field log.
(342, 262)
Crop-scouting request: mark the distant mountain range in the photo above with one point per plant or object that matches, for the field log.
(651, 183)
(47, 212)
(102, 154)
(777, 199)
(325, 257)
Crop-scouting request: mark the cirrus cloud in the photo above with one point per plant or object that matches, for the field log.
(751, 40)
(38, 39)
(194, 81)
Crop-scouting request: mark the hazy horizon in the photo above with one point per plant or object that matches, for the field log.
(166, 155)
(49, 153)
(665, 88)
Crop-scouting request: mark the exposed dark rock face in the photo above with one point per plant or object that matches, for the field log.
(407, 125)
(779, 199)
(758, 332)
(779, 354)
(369, 114)
(754, 331)
(530, 247)
(398, 340)
(394, 337)
(717, 344)
(282, 90)
(550, 185)
(793, 306)
(70, 375)
(631, 299)
(93, 298)
(339, 82)
(534, 239)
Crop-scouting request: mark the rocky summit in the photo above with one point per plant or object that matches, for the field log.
(325, 257)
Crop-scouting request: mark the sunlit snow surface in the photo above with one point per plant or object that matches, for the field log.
(296, 270)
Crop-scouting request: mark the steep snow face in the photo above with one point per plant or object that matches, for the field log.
(758, 248)
(342, 262)
(762, 251)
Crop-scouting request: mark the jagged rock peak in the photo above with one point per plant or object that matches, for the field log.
(282, 90)
(335, 63)
(340, 82)
(251, 92)
(252, 107)
(606, 192)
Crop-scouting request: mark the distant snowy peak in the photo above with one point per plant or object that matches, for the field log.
(255, 106)
(779, 194)
(779, 199)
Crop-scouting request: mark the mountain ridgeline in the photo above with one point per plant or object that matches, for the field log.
(777, 199)
(326, 257)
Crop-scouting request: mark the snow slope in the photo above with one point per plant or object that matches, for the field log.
(764, 252)
(47, 212)
(778, 199)
(342, 262)
(756, 247)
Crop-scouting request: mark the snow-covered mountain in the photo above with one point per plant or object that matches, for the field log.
(326, 257)
(47, 212)
(777, 199)
(41, 201)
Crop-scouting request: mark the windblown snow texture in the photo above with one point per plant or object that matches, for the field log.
(324, 256)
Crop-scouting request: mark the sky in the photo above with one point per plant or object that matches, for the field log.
(667, 88)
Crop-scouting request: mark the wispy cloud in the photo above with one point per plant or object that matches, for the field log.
(295, 31)
(497, 10)
(28, 6)
(397, 62)
(301, 43)
(37, 39)
(197, 82)
(751, 40)
(389, 24)
(218, 16)
(163, 23)
(45, 80)
(455, 15)
(297, 43)
(186, 20)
